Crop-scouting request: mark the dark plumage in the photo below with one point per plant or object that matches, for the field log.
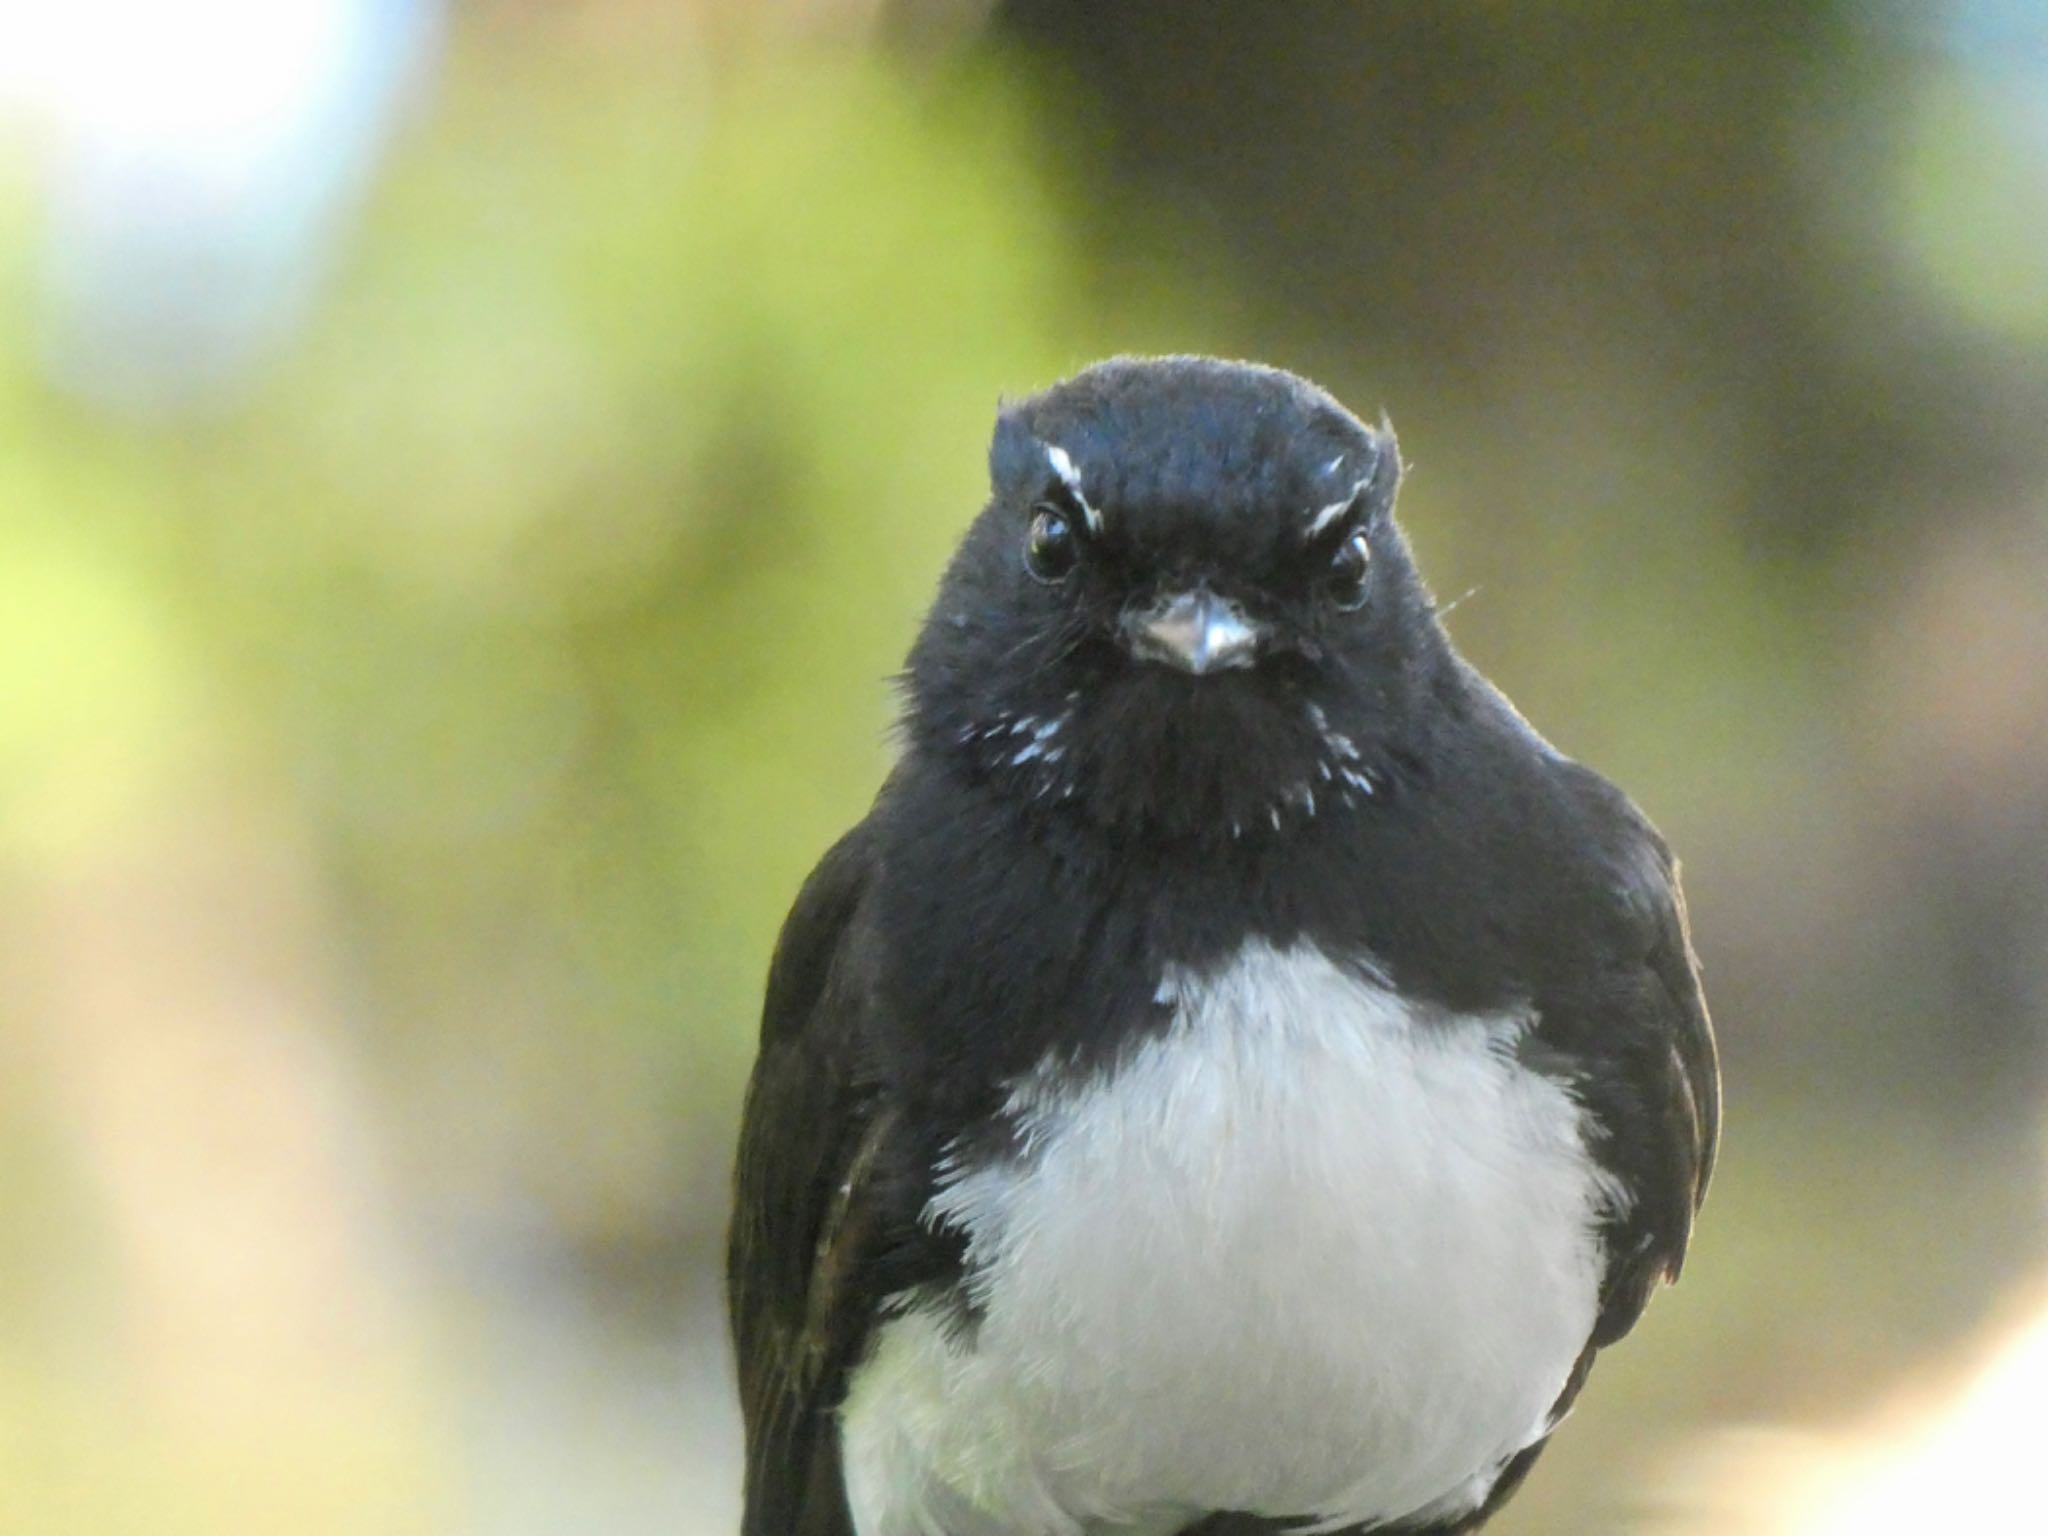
(1182, 692)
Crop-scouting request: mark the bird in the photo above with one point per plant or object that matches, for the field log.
(1238, 1074)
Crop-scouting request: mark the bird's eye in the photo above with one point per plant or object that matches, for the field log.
(1049, 548)
(1348, 569)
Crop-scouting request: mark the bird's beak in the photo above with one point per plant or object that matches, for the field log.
(1196, 631)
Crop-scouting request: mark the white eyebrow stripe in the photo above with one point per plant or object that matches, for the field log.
(1337, 508)
(1070, 477)
(1327, 516)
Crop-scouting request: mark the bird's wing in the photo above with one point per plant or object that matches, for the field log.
(809, 1216)
(1665, 1123)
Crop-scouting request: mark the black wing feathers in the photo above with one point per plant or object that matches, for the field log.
(1670, 1120)
(804, 1217)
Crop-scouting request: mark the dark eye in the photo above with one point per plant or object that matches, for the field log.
(1348, 568)
(1049, 549)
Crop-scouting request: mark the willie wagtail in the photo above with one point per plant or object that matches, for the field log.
(1238, 1073)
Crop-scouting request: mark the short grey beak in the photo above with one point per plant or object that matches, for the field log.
(1196, 631)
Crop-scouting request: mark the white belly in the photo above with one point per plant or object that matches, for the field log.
(1305, 1254)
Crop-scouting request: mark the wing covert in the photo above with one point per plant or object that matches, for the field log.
(806, 1216)
(1673, 1119)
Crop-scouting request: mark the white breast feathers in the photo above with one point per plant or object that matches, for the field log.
(1312, 1251)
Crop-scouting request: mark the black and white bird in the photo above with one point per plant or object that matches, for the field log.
(1238, 1074)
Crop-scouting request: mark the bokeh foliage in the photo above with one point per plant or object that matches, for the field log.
(406, 758)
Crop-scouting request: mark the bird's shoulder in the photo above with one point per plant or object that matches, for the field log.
(1601, 951)
(817, 1197)
(1632, 1026)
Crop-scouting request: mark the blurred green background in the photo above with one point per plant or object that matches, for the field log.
(467, 475)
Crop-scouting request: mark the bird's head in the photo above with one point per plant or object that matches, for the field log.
(1186, 612)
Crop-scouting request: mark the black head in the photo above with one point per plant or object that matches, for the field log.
(1186, 612)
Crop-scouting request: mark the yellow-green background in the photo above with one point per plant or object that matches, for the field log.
(408, 748)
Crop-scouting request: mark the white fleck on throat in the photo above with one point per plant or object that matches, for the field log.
(1017, 741)
(1313, 1252)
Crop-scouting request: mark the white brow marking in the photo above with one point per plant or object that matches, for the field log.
(1070, 477)
(1338, 508)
